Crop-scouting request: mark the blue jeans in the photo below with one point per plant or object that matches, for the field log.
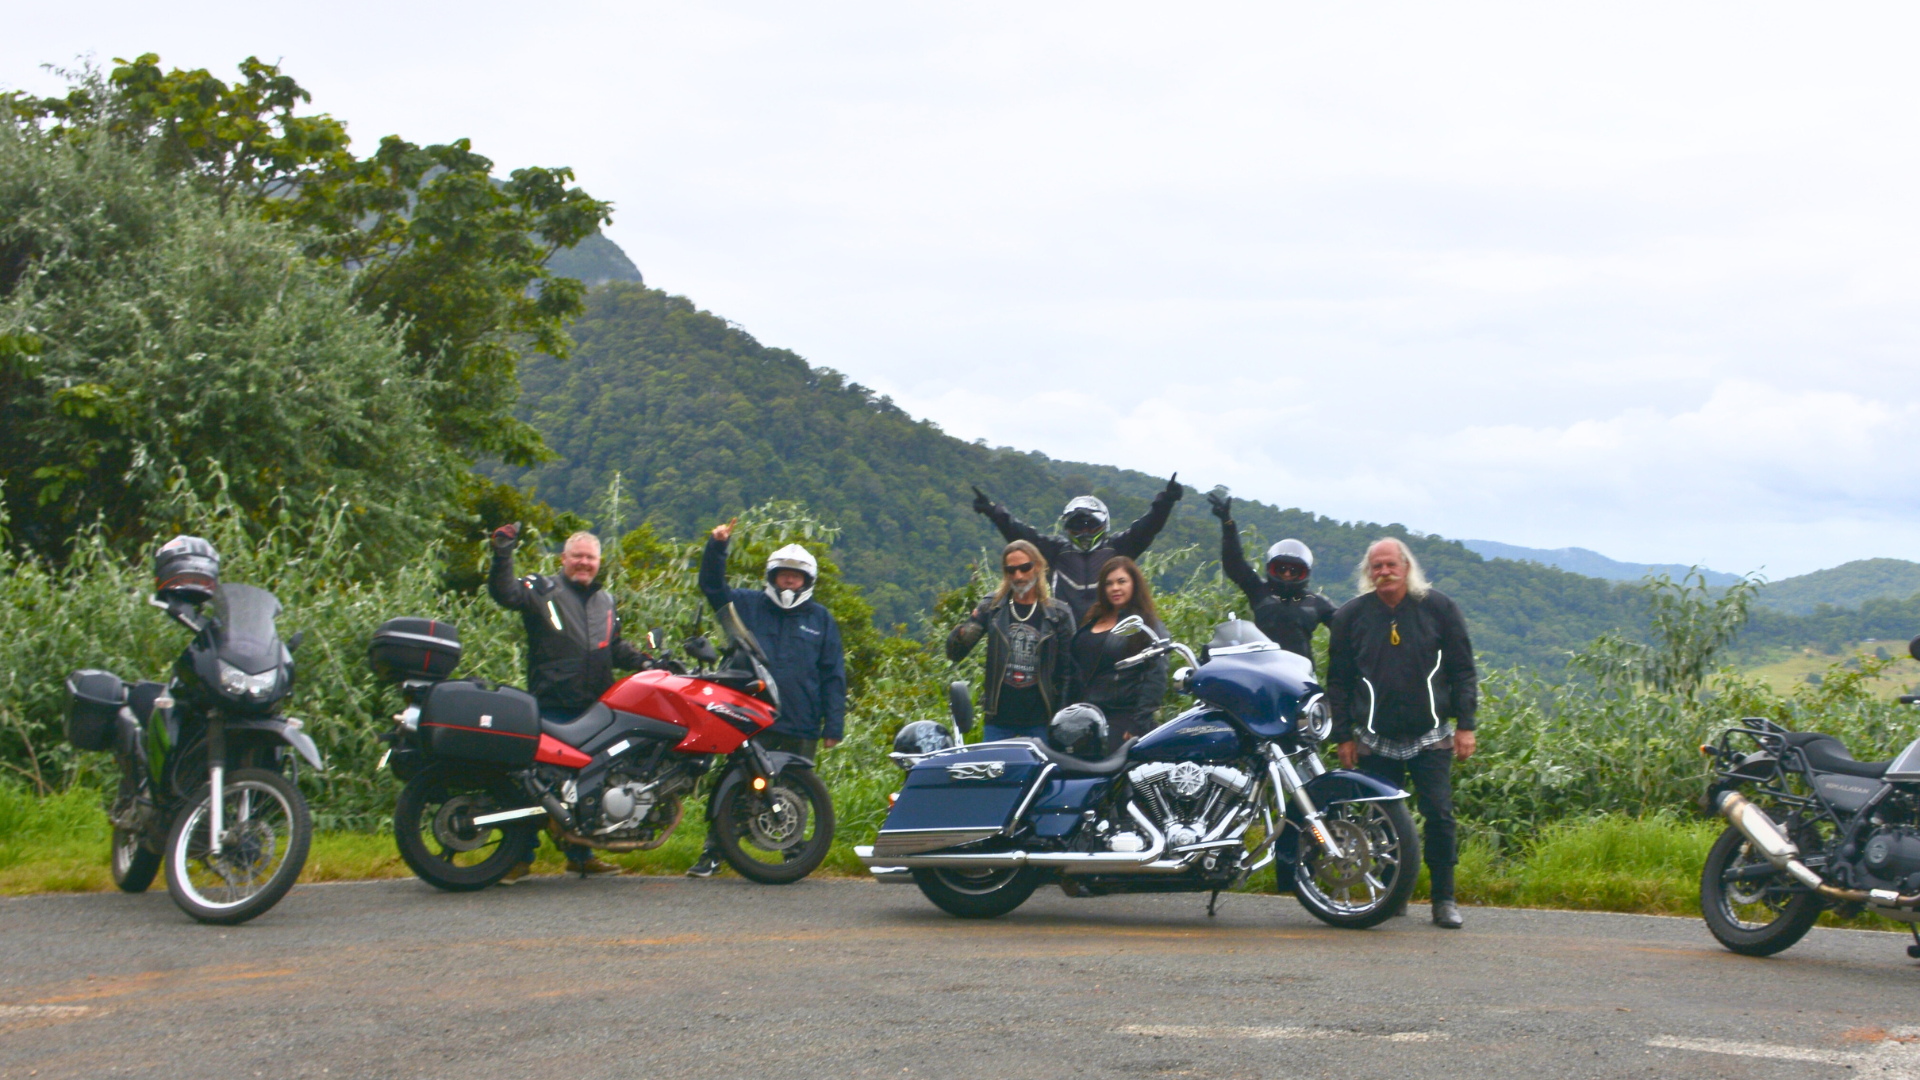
(573, 852)
(994, 732)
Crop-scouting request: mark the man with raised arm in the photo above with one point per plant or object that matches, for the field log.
(1284, 606)
(1075, 559)
(1404, 690)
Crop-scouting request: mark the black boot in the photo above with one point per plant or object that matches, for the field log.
(1446, 913)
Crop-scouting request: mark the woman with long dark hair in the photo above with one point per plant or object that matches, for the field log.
(1129, 696)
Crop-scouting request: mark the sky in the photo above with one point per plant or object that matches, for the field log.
(1634, 277)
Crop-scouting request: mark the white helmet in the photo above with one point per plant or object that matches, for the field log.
(791, 557)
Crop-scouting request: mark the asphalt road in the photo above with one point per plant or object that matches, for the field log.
(657, 977)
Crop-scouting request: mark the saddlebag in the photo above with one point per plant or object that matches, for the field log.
(97, 698)
(405, 649)
(958, 797)
(476, 722)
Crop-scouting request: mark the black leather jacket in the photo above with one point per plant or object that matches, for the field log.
(992, 620)
(1400, 672)
(1122, 693)
(1289, 620)
(1075, 574)
(573, 635)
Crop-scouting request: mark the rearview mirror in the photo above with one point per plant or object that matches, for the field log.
(1129, 626)
(293, 643)
(960, 704)
(701, 650)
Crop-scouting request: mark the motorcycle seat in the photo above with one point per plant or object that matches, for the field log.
(1826, 754)
(578, 730)
(1105, 766)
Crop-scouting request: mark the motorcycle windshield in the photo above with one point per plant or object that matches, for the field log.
(244, 633)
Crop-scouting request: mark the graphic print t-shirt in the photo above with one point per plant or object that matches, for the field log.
(1021, 704)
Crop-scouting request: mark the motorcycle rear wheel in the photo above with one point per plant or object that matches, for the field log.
(979, 894)
(133, 865)
(1752, 918)
(1378, 867)
(431, 827)
(263, 846)
(776, 836)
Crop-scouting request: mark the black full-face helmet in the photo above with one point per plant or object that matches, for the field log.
(187, 569)
(923, 737)
(1085, 521)
(1289, 567)
(1080, 730)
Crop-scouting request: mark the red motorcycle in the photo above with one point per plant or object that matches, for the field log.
(482, 771)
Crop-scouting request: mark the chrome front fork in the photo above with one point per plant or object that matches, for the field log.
(1286, 780)
(216, 782)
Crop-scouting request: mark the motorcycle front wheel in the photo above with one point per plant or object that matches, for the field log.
(133, 865)
(1378, 865)
(433, 827)
(977, 894)
(776, 836)
(1753, 916)
(265, 833)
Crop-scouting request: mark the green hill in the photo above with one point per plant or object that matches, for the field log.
(700, 419)
(1848, 585)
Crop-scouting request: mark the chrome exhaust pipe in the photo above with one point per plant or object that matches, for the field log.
(1784, 854)
(1070, 862)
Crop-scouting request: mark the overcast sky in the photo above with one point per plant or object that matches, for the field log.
(1633, 277)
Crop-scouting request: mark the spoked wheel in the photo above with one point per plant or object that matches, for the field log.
(433, 827)
(134, 865)
(265, 832)
(977, 894)
(776, 836)
(1378, 865)
(1752, 908)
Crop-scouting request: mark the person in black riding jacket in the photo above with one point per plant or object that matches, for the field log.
(804, 653)
(1404, 690)
(1284, 606)
(573, 643)
(1029, 648)
(1128, 696)
(1076, 558)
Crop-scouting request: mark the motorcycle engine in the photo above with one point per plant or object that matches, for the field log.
(1188, 800)
(1892, 855)
(628, 799)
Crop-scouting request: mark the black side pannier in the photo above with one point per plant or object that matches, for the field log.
(97, 698)
(414, 649)
(476, 722)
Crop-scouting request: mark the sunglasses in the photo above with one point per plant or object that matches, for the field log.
(1018, 568)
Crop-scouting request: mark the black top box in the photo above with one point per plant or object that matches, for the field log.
(405, 649)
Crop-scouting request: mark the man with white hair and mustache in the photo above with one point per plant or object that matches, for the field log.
(1403, 688)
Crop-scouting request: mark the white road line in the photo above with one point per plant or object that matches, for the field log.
(1893, 1059)
(37, 1012)
(1185, 1031)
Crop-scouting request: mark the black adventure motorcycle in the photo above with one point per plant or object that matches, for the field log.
(979, 827)
(1820, 831)
(208, 761)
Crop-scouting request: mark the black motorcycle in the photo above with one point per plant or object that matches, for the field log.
(1819, 831)
(1199, 804)
(208, 761)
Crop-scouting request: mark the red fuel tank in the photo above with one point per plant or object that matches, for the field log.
(717, 718)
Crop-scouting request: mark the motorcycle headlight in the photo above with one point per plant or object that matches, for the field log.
(1316, 719)
(237, 682)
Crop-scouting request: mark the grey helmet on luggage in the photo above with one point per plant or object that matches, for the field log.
(792, 557)
(1289, 565)
(923, 737)
(1079, 729)
(1085, 520)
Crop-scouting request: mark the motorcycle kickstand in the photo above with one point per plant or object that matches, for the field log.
(1913, 950)
(1211, 901)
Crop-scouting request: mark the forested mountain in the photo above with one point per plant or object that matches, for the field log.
(701, 420)
(1579, 560)
(1849, 585)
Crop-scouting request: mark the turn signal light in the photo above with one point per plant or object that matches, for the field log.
(759, 783)
(1706, 748)
(892, 797)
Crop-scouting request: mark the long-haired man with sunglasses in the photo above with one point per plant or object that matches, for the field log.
(1029, 647)
(1284, 606)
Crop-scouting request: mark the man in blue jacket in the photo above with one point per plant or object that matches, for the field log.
(802, 643)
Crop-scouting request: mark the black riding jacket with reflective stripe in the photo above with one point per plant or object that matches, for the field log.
(1400, 671)
(573, 635)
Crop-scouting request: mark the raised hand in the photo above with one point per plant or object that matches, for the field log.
(981, 504)
(505, 537)
(1222, 505)
(1173, 487)
(724, 532)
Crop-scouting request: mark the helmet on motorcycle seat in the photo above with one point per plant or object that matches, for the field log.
(1085, 520)
(187, 569)
(923, 737)
(791, 557)
(1289, 565)
(1079, 729)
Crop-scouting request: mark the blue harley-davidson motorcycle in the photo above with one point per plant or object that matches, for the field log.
(1199, 804)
